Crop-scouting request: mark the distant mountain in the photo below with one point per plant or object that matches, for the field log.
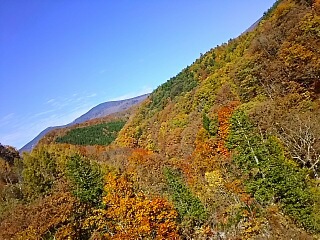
(101, 110)
(253, 26)
(107, 108)
(229, 147)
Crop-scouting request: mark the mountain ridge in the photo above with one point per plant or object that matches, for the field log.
(101, 110)
(226, 149)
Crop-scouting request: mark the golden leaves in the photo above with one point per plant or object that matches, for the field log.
(132, 215)
(214, 178)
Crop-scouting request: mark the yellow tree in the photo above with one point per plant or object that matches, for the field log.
(131, 215)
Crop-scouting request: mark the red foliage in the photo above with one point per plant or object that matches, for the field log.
(224, 115)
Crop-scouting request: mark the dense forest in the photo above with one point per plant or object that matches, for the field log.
(99, 134)
(227, 149)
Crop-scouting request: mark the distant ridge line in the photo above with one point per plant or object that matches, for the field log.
(99, 111)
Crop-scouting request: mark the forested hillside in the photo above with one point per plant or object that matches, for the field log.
(227, 149)
(98, 112)
(99, 134)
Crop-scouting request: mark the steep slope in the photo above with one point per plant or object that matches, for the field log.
(278, 63)
(98, 111)
(227, 149)
(246, 112)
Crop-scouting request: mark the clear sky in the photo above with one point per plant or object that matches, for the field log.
(59, 58)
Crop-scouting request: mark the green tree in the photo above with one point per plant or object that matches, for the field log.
(39, 172)
(99, 134)
(188, 206)
(86, 179)
(272, 178)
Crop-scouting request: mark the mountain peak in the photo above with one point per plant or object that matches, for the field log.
(99, 111)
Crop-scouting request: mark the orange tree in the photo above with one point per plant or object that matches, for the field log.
(132, 215)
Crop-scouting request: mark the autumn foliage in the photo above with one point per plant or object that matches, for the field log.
(227, 149)
(131, 215)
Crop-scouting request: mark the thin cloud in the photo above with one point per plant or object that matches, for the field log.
(92, 95)
(9, 138)
(61, 111)
(42, 113)
(6, 119)
(50, 101)
(74, 99)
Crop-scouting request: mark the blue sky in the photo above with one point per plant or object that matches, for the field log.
(60, 58)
